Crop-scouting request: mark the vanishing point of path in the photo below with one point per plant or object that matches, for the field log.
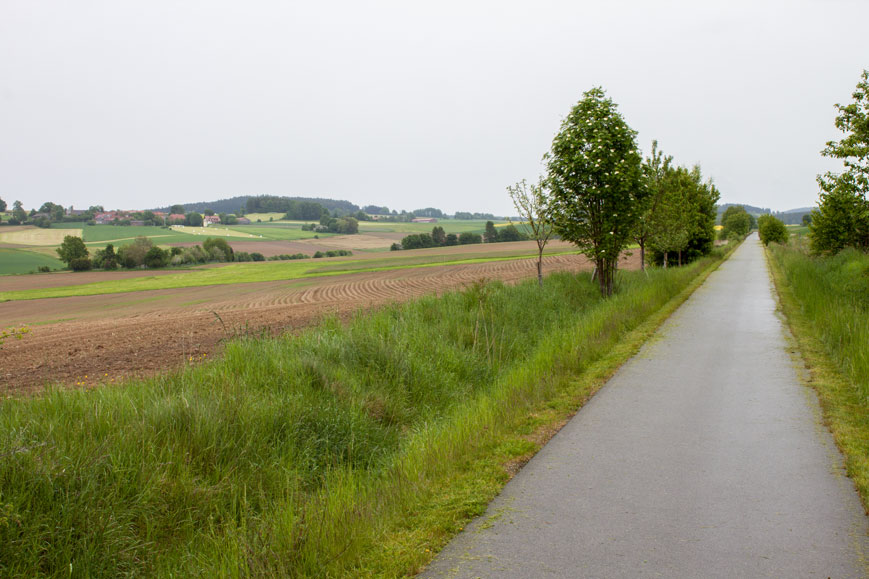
(703, 456)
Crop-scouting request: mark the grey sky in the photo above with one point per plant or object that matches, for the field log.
(405, 104)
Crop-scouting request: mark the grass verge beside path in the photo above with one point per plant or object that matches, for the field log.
(350, 450)
(826, 304)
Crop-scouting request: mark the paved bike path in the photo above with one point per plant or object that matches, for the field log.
(703, 456)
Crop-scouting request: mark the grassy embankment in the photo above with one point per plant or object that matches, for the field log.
(353, 449)
(826, 302)
(258, 272)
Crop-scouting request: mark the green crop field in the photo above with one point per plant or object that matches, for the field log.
(13, 261)
(100, 235)
(283, 231)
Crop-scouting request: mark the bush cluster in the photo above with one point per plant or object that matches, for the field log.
(332, 253)
(438, 238)
(771, 229)
(142, 253)
(342, 225)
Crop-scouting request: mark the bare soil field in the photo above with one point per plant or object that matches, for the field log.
(64, 278)
(93, 340)
(310, 246)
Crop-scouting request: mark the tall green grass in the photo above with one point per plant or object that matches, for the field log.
(300, 455)
(833, 293)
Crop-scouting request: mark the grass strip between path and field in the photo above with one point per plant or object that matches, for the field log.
(825, 301)
(352, 449)
(251, 273)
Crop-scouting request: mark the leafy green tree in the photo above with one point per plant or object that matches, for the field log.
(438, 235)
(671, 224)
(736, 222)
(511, 233)
(132, 255)
(842, 217)
(193, 219)
(347, 226)
(2, 204)
(106, 258)
(208, 212)
(771, 230)
(156, 258)
(452, 239)
(417, 241)
(470, 238)
(654, 169)
(596, 183)
(491, 234)
(72, 248)
(18, 212)
(696, 218)
(531, 203)
(177, 209)
(807, 219)
(80, 264)
(219, 244)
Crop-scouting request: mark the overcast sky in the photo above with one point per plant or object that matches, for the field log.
(408, 104)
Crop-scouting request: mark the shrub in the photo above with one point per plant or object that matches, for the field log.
(156, 258)
(133, 254)
(44, 269)
(417, 241)
(80, 264)
(220, 244)
(771, 229)
(468, 238)
(257, 256)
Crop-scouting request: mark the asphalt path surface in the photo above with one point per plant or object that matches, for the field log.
(704, 456)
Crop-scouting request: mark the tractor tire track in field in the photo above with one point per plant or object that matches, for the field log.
(93, 340)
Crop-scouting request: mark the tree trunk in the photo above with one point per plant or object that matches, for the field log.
(643, 255)
(680, 258)
(601, 266)
(665, 260)
(540, 268)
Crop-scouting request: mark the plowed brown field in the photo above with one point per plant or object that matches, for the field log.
(93, 340)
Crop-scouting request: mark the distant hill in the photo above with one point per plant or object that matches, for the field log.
(789, 217)
(756, 211)
(235, 204)
(231, 205)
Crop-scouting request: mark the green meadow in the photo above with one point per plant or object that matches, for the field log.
(19, 261)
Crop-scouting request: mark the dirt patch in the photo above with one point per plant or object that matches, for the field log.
(367, 241)
(93, 340)
(10, 283)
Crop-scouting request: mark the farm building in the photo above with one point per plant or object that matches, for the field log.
(424, 220)
(210, 220)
